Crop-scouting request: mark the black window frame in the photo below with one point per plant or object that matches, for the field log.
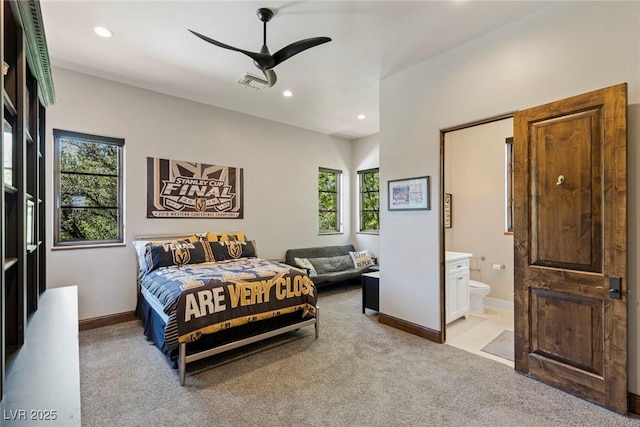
(362, 193)
(338, 197)
(59, 135)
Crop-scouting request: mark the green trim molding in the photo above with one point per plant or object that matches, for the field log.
(30, 17)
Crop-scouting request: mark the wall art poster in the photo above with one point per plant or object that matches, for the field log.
(409, 194)
(179, 189)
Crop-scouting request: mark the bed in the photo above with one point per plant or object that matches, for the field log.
(205, 293)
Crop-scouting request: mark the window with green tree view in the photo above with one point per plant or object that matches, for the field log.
(329, 201)
(369, 181)
(88, 189)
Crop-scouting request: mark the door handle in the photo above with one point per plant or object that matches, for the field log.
(615, 287)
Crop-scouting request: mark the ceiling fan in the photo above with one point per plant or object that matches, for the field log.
(263, 59)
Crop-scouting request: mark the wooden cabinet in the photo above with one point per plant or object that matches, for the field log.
(456, 285)
(26, 90)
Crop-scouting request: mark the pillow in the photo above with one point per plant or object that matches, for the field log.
(361, 259)
(202, 238)
(232, 249)
(332, 264)
(305, 264)
(206, 237)
(173, 253)
(140, 247)
(225, 237)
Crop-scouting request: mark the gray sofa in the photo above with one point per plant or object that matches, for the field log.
(332, 264)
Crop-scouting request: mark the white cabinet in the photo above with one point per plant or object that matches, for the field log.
(456, 285)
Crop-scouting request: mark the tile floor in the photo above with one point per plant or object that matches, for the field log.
(478, 330)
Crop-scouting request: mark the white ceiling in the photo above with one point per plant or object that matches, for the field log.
(332, 83)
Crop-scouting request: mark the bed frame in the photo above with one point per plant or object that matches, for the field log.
(184, 358)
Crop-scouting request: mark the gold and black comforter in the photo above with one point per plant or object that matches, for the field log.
(210, 297)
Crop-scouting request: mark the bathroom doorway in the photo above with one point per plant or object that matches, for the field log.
(475, 179)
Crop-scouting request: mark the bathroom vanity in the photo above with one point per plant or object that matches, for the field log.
(456, 285)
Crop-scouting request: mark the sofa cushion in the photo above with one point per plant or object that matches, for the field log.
(332, 264)
(317, 252)
(336, 276)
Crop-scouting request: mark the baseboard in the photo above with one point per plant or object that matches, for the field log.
(412, 328)
(633, 404)
(498, 303)
(111, 319)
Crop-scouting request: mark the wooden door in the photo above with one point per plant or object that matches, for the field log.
(570, 245)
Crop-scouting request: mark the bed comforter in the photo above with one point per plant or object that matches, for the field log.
(209, 297)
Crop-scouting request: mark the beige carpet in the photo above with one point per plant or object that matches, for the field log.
(358, 373)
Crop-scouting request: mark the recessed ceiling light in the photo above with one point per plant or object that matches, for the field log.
(361, 117)
(103, 32)
(287, 93)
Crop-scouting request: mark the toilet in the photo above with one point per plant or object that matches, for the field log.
(477, 292)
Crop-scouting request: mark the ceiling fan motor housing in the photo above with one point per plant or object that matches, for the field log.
(264, 14)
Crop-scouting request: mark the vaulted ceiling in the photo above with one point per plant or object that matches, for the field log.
(332, 83)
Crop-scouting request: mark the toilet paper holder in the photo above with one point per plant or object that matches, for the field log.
(498, 266)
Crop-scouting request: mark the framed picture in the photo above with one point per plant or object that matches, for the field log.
(409, 194)
(447, 210)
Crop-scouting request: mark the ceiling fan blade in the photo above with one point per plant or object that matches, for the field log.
(297, 47)
(262, 59)
(271, 77)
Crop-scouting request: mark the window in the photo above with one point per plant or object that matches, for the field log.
(88, 189)
(509, 185)
(369, 200)
(329, 201)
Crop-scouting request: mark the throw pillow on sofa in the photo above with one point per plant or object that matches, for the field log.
(306, 264)
(361, 259)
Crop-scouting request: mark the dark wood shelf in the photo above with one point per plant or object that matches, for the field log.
(26, 92)
(8, 104)
(11, 349)
(10, 189)
(9, 262)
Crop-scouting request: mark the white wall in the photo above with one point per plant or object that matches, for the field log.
(564, 50)
(280, 178)
(366, 155)
(474, 174)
